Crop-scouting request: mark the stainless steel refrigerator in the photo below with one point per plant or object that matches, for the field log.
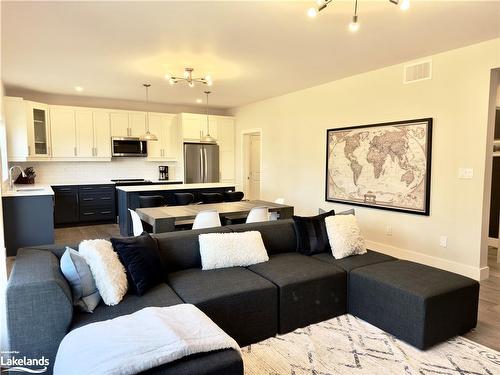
(201, 163)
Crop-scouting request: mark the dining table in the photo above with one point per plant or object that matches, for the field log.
(163, 219)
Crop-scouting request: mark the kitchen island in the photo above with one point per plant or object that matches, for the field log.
(128, 197)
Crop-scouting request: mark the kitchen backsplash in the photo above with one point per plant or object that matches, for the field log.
(120, 168)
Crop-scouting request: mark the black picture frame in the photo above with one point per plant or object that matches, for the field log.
(428, 121)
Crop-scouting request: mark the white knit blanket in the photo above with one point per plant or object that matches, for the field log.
(140, 341)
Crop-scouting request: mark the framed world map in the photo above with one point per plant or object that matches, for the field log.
(386, 166)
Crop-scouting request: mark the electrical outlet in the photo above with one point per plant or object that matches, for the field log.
(388, 230)
(443, 241)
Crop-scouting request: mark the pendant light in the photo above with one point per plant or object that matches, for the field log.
(148, 136)
(208, 138)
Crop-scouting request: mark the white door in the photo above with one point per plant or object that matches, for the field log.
(119, 124)
(62, 126)
(84, 134)
(254, 167)
(102, 134)
(137, 124)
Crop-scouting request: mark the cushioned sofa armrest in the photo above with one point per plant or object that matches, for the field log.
(39, 304)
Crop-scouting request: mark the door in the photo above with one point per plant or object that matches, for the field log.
(102, 135)
(254, 166)
(84, 134)
(62, 122)
(211, 172)
(119, 124)
(137, 124)
(193, 160)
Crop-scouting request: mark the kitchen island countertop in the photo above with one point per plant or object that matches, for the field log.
(141, 188)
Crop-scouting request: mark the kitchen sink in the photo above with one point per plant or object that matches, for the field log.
(30, 189)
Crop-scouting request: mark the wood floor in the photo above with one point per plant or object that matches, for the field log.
(486, 333)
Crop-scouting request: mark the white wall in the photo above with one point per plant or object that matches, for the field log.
(294, 135)
(61, 172)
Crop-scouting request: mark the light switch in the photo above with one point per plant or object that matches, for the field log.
(443, 241)
(465, 173)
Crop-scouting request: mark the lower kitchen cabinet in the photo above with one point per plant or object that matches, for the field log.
(84, 204)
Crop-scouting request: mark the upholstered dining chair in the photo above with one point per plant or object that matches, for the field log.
(206, 219)
(136, 223)
(146, 201)
(212, 197)
(258, 214)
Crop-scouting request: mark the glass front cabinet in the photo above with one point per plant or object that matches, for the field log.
(38, 129)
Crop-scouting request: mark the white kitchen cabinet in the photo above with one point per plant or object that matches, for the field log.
(102, 135)
(194, 126)
(16, 127)
(37, 117)
(167, 147)
(128, 124)
(84, 133)
(63, 131)
(226, 141)
(137, 124)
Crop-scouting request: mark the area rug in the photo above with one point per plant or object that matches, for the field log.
(348, 345)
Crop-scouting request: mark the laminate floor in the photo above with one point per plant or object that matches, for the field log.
(75, 235)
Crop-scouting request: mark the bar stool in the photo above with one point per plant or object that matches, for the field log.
(212, 197)
(233, 196)
(146, 201)
(183, 199)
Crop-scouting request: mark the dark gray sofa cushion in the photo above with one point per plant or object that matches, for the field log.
(278, 235)
(239, 301)
(310, 291)
(219, 362)
(419, 304)
(355, 261)
(181, 250)
(159, 296)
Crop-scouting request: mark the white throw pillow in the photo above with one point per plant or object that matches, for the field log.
(344, 236)
(221, 250)
(109, 274)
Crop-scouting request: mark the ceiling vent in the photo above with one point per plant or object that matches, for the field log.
(419, 71)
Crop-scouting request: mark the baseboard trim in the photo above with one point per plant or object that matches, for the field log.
(494, 242)
(476, 273)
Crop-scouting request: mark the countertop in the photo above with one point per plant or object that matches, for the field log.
(104, 182)
(28, 190)
(140, 188)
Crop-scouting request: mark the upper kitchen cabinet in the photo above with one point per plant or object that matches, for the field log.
(168, 145)
(16, 129)
(128, 124)
(93, 134)
(63, 131)
(194, 127)
(37, 116)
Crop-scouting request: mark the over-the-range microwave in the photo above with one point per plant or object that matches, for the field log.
(128, 146)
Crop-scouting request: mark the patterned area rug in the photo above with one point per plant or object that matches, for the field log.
(347, 345)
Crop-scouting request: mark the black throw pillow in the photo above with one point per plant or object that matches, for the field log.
(312, 237)
(141, 258)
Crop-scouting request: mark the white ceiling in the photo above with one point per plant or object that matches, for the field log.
(253, 50)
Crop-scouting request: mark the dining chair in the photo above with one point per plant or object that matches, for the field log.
(233, 196)
(274, 215)
(183, 199)
(146, 201)
(136, 223)
(206, 219)
(212, 197)
(258, 214)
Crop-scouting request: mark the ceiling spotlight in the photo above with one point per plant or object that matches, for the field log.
(404, 4)
(198, 101)
(312, 12)
(167, 77)
(79, 88)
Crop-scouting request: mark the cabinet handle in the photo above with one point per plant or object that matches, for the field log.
(105, 212)
(50, 151)
(74, 151)
(88, 199)
(29, 150)
(89, 213)
(106, 198)
(95, 151)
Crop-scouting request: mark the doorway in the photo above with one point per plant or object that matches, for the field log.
(252, 163)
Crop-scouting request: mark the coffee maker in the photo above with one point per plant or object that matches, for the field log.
(163, 169)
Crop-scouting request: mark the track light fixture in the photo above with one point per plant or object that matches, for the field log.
(354, 24)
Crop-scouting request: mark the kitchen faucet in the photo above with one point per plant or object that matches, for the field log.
(11, 182)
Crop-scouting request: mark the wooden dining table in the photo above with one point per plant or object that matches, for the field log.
(163, 219)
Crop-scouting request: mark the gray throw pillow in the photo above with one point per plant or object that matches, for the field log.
(348, 212)
(74, 268)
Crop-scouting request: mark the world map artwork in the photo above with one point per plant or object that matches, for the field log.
(380, 165)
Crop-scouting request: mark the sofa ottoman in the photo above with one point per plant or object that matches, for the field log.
(310, 291)
(242, 303)
(354, 261)
(418, 304)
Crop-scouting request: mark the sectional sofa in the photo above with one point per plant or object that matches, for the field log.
(418, 304)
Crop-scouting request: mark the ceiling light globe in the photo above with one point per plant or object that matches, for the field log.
(312, 12)
(353, 26)
(405, 5)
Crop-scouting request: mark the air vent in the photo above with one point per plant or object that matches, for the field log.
(417, 72)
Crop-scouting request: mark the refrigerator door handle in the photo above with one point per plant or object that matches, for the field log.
(202, 174)
(205, 167)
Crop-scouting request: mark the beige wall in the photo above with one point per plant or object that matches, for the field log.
(293, 143)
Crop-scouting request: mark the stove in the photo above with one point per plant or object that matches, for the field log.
(131, 182)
